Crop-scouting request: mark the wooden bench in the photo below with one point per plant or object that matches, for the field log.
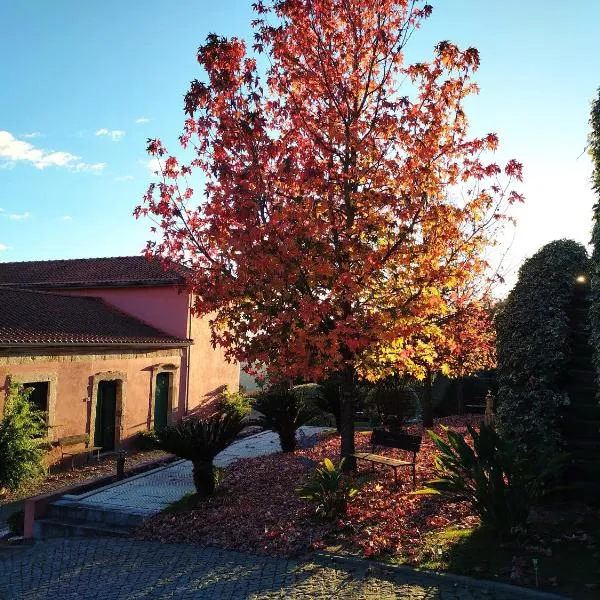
(402, 441)
(66, 444)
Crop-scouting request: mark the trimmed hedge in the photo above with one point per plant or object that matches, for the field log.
(594, 150)
(533, 347)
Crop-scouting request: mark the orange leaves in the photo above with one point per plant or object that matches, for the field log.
(332, 227)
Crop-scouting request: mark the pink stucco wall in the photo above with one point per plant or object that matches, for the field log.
(165, 308)
(210, 373)
(73, 381)
(162, 307)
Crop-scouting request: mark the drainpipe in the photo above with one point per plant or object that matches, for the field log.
(187, 355)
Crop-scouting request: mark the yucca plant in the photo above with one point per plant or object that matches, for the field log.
(500, 483)
(285, 410)
(200, 441)
(329, 490)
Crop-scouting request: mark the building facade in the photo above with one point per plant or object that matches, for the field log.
(109, 346)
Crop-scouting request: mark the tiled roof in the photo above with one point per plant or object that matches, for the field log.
(31, 318)
(120, 271)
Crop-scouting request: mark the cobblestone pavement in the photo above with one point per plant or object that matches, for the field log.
(119, 569)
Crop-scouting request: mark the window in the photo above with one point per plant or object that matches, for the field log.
(39, 394)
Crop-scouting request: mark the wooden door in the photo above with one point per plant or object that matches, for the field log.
(161, 401)
(106, 409)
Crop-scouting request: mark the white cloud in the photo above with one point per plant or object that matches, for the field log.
(13, 150)
(153, 165)
(65, 218)
(4, 247)
(125, 178)
(16, 216)
(34, 134)
(89, 168)
(114, 134)
(142, 120)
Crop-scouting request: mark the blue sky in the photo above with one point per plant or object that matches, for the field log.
(85, 83)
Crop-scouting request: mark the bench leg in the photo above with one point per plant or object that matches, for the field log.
(396, 474)
(414, 477)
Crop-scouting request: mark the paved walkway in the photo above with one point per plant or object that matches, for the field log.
(151, 492)
(116, 569)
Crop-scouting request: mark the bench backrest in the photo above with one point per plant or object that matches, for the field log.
(402, 441)
(72, 440)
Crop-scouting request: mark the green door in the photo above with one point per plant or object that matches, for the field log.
(161, 401)
(106, 408)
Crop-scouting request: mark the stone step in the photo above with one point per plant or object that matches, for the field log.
(51, 527)
(78, 511)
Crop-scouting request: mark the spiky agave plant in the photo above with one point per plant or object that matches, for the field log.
(200, 440)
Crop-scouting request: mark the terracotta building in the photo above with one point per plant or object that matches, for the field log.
(109, 346)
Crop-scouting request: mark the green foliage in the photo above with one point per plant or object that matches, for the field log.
(392, 401)
(499, 482)
(146, 440)
(533, 347)
(21, 427)
(236, 403)
(16, 522)
(594, 314)
(284, 410)
(200, 441)
(329, 489)
(329, 399)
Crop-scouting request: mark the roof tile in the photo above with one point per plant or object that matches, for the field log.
(42, 318)
(89, 272)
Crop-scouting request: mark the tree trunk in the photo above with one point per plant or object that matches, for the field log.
(287, 439)
(460, 395)
(347, 403)
(204, 478)
(427, 404)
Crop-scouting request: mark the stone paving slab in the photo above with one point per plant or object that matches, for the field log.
(117, 569)
(150, 492)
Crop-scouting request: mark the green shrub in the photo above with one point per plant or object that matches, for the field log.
(329, 490)
(16, 522)
(392, 401)
(500, 483)
(533, 347)
(200, 441)
(21, 427)
(594, 151)
(235, 403)
(284, 411)
(146, 440)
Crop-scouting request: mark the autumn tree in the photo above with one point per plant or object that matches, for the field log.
(345, 206)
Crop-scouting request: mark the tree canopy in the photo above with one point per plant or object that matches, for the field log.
(346, 210)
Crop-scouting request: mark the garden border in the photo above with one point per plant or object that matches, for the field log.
(326, 558)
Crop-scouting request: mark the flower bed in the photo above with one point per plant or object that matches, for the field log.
(257, 508)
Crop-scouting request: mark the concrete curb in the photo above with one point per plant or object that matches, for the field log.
(326, 558)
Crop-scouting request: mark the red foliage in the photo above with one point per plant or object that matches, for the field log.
(257, 508)
(348, 209)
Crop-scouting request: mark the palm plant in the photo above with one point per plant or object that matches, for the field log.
(499, 482)
(329, 490)
(200, 441)
(284, 410)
